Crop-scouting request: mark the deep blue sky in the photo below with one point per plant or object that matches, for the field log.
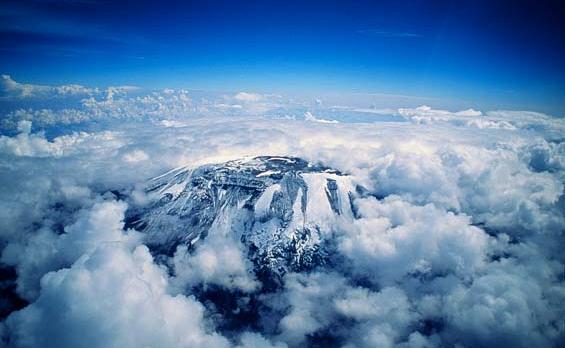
(490, 54)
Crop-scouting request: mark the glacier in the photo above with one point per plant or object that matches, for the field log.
(282, 209)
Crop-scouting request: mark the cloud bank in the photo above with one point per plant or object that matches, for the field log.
(457, 241)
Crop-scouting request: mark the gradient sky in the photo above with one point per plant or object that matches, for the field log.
(491, 54)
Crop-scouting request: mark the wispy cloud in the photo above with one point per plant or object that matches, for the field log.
(390, 34)
(487, 187)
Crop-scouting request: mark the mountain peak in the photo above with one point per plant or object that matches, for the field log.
(280, 208)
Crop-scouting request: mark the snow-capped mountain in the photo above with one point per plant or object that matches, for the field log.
(280, 208)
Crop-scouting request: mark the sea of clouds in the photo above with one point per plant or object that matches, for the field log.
(459, 244)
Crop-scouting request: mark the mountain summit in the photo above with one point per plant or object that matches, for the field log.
(280, 208)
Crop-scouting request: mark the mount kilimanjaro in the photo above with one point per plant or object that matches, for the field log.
(283, 210)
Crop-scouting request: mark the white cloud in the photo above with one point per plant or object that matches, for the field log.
(364, 318)
(47, 251)
(248, 97)
(13, 89)
(457, 239)
(215, 262)
(112, 297)
(135, 156)
(394, 239)
(309, 117)
(426, 111)
(254, 340)
(499, 308)
(36, 145)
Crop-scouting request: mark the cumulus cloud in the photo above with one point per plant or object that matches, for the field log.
(456, 239)
(424, 110)
(254, 340)
(215, 262)
(496, 119)
(46, 251)
(309, 117)
(135, 156)
(393, 239)
(248, 97)
(36, 145)
(11, 89)
(325, 306)
(112, 297)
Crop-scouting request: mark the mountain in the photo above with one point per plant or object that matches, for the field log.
(281, 208)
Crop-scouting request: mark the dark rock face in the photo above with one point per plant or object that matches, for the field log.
(280, 208)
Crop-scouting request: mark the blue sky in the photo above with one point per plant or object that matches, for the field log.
(491, 54)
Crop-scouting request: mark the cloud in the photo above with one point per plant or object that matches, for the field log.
(12, 89)
(217, 261)
(112, 297)
(46, 251)
(248, 97)
(456, 239)
(394, 239)
(36, 145)
(388, 34)
(311, 118)
(326, 306)
(425, 114)
(253, 340)
(135, 156)
(498, 308)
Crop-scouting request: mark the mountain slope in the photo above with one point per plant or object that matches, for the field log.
(280, 208)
